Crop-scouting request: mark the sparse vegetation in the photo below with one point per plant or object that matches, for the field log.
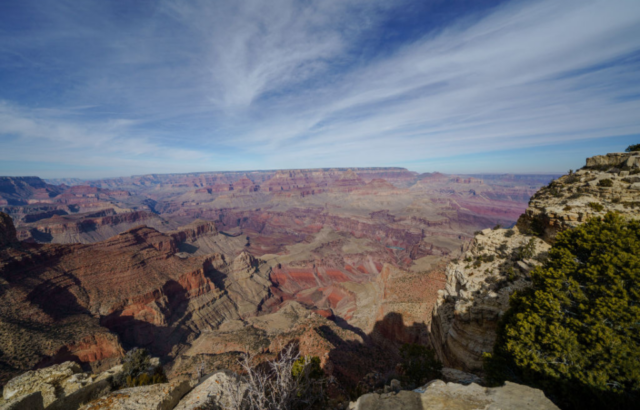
(555, 192)
(498, 226)
(527, 251)
(632, 148)
(137, 370)
(574, 333)
(567, 208)
(605, 183)
(509, 233)
(596, 206)
(490, 258)
(536, 227)
(289, 382)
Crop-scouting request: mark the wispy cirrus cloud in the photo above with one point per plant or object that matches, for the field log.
(287, 84)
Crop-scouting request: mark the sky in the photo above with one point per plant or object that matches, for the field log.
(105, 88)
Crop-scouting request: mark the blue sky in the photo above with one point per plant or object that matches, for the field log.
(107, 88)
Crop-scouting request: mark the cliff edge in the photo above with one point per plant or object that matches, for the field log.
(499, 261)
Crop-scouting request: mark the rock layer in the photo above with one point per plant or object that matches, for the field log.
(79, 302)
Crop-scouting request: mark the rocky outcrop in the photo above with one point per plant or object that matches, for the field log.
(91, 388)
(65, 388)
(608, 183)
(499, 261)
(58, 387)
(438, 395)
(52, 382)
(477, 292)
(213, 391)
(164, 396)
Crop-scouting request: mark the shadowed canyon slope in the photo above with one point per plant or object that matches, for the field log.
(206, 265)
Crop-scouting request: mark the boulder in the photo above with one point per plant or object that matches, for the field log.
(212, 390)
(163, 396)
(53, 382)
(32, 401)
(613, 160)
(439, 395)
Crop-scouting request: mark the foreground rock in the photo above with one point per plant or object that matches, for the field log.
(439, 395)
(58, 387)
(213, 389)
(164, 396)
(499, 261)
(52, 382)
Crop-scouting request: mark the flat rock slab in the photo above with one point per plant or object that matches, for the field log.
(451, 396)
(164, 396)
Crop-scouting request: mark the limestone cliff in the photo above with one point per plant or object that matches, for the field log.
(499, 261)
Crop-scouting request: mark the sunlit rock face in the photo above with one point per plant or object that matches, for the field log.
(479, 283)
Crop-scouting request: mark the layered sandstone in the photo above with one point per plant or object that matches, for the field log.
(79, 302)
(607, 183)
(87, 227)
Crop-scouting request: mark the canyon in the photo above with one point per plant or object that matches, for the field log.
(199, 267)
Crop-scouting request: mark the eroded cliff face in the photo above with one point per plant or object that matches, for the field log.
(81, 302)
(87, 227)
(499, 261)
